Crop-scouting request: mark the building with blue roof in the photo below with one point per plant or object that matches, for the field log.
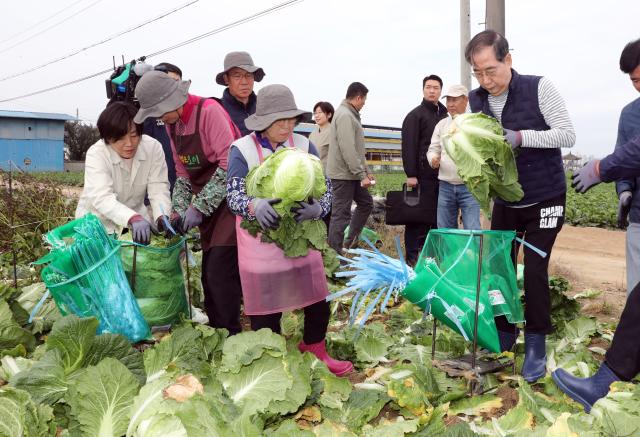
(383, 145)
(33, 141)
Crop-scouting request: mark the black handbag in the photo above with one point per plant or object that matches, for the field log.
(416, 207)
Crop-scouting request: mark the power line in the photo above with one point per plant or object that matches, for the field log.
(50, 27)
(131, 29)
(165, 50)
(40, 22)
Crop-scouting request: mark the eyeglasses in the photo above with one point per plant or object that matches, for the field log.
(239, 76)
(488, 73)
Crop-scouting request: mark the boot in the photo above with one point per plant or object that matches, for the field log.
(535, 357)
(585, 390)
(339, 368)
(507, 340)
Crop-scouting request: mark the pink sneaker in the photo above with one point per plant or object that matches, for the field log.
(339, 368)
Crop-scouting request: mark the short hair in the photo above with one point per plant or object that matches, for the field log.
(630, 57)
(487, 38)
(356, 89)
(116, 120)
(432, 77)
(166, 67)
(326, 107)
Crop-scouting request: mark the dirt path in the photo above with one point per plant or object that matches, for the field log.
(593, 258)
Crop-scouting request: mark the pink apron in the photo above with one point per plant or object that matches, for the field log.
(272, 282)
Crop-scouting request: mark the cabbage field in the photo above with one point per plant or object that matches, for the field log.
(59, 378)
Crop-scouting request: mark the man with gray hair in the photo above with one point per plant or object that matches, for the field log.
(239, 75)
(201, 132)
(536, 125)
(453, 195)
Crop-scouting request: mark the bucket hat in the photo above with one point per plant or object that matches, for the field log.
(241, 60)
(456, 91)
(274, 102)
(158, 94)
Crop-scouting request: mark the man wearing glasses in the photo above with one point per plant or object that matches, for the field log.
(536, 125)
(239, 76)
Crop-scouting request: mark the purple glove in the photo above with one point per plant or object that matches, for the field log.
(266, 216)
(587, 176)
(141, 229)
(307, 211)
(624, 205)
(192, 218)
(513, 137)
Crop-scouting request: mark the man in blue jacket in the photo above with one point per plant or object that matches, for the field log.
(622, 361)
(537, 125)
(629, 189)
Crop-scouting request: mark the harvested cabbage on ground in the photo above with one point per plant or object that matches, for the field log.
(293, 176)
(485, 161)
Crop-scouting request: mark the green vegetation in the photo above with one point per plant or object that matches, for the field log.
(70, 178)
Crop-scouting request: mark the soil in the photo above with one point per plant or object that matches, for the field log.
(593, 258)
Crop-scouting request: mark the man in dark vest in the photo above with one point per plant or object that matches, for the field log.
(239, 75)
(536, 125)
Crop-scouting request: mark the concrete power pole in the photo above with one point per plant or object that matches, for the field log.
(495, 15)
(465, 36)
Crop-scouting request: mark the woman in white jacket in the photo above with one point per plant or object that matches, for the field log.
(120, 169)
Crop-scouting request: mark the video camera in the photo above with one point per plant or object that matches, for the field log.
(121, 85)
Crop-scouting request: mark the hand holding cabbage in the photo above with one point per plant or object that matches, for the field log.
(296, 178)
(485, 161)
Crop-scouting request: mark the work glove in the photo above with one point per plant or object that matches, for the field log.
(307, 211)
(141, 229)
(267, 217)
(192, 218)
(587, 177)
(176, 222)
(513, 137)
(624, 205)
(164, 226)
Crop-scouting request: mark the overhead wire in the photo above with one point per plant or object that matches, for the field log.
(50, 27)
(33, 26)
(167, 49)
(112, 37)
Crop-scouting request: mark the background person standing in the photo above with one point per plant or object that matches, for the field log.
(453, 195)
(347, 169)
(239, 75)
(417, 130)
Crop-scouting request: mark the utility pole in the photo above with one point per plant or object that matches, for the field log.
(465, 36)
(77, 114)
(494, 19)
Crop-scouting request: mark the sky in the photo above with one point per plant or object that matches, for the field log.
(317, 48)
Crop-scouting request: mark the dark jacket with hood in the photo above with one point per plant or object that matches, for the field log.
(417, 129)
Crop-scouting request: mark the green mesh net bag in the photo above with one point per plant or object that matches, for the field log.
(159, 285)
(447, 276)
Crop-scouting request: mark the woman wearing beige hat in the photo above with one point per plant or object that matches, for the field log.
(271, 282)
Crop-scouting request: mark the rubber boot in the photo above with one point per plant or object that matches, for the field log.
(507, 340)
(339, 368)
(535, 357)
(586, 390)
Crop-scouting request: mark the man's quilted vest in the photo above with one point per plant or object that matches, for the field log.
(540, 171)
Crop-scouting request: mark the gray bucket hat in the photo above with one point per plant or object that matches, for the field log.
(158, 94)
(274, 102)
(241, 60)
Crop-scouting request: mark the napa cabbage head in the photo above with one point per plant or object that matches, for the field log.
(485, 161)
